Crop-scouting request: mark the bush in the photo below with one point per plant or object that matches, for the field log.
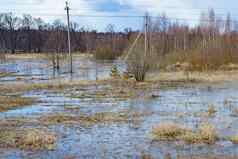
(138, 64)
(104, 53)
(211, 57)
(115, 73)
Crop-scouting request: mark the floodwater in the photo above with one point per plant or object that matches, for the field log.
(183, 105)
(35, 70)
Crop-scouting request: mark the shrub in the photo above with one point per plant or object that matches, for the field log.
(104, 53)
(115, 73)
(138, 64)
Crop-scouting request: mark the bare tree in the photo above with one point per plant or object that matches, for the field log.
(11, 23)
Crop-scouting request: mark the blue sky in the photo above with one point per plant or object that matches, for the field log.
(54, 9)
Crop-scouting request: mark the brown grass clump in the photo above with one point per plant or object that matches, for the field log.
(27, 139)
(57, 118)
(8, 103)
(192, 138)
(206, 157)
(146, 156)
(208, 133)
(169, 131)
(7, 138)
(234, 139)
(105, 117)
(211, 110)
(36, 139)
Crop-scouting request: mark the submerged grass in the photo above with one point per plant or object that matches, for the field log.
(6, 74)
(99, 94)
(9, 102)
(104, 117)
(97, 118)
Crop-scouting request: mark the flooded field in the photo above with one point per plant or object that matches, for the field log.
(112, 118)
(35, 70)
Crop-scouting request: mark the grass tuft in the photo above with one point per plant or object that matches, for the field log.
(169, 131)
(9, 103)
(211, 110)
(172, 132)
(27, 139)
(234, 139)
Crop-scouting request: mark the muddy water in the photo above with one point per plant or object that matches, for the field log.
(185, 106)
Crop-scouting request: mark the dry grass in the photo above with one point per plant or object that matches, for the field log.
(97, 118)
(206, 76)
(8, 103)
(234, 139)
(115, 93)
(211, 110)
(206, 157)
(208, 133)
(104, 53)
(172, 132)
(169, 131)
(62, 84)
(104, 117)
(36, 139)
(26, 56)
(7, 138)
(6, 74)
(27, 139)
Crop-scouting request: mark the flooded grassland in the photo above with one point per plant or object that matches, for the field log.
(48, 114)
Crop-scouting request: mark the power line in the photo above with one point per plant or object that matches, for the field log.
(98, 15)
(168, 18)
(133, 16)
(132, 6)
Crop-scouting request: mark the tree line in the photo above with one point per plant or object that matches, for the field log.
(211, 43)
(33, 35)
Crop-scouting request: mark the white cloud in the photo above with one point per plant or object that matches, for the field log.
(48, 8)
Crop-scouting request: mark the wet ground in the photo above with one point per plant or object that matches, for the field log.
(131, 139)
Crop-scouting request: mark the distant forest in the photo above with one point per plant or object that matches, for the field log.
(33, 35)
(212, 35)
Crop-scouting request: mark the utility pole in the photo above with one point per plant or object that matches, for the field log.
(69, 42)
(146, 30)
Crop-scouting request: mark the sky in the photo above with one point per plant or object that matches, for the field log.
(184, 10)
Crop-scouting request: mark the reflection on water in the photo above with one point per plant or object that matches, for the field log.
(39, 69)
